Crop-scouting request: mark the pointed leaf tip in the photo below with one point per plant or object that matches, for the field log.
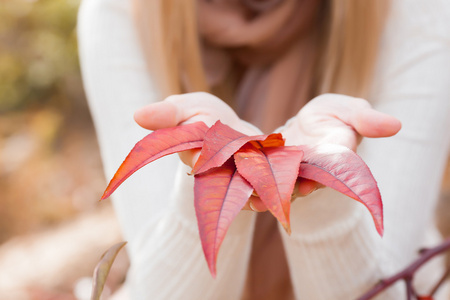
(155, 145)
(342, 169)
(272, 172)
(219, 195)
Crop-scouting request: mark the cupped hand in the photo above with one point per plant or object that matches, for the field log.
(336, 119)
(329, 118)
(190, 108)
(194, 107)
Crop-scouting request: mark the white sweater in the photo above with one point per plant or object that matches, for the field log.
(334, 251)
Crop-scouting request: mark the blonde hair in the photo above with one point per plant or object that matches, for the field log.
(349, 45)
(352, 44)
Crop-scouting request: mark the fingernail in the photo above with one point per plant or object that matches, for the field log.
(252, 207)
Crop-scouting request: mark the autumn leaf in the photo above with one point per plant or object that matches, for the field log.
(219, 195)
(157, 144)
(221, 142)
(272, 140)
(272, 172)
(342, 169)
(231, 165)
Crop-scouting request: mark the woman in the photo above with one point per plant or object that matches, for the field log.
(266, 60)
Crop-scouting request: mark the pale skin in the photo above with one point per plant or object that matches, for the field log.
(328, 118)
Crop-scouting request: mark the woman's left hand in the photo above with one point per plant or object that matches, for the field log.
(336, 119)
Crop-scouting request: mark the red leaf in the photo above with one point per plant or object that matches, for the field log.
(220, 195)
(157, 144)
(343, 170)
(272, 172)
(272, 140)
(221, 142)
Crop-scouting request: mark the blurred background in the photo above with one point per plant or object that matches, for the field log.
(53, 230)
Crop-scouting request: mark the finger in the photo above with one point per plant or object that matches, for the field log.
(357, 113)
(186, 108)
(254, 203)
(189, 157)
(179, 109)
(158, 115)
(306, 187)
(375, 124)
(366, 121)
(200, 106)
(257, 205)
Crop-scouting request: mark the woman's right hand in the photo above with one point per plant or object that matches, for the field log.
(190, 108)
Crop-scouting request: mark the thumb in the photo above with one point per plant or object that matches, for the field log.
(374, 124)
(158, 115)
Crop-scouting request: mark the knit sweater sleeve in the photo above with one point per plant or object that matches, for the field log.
(155, 205)
(117, 83)
(334, 251)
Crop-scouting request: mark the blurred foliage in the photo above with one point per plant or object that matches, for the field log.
(50, 168)
(38, 53)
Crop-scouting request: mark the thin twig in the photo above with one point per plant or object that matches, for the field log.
(408, 272)
(410, 292)
(440, 282)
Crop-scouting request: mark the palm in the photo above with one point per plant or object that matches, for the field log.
(329, 118)
(338, 119)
